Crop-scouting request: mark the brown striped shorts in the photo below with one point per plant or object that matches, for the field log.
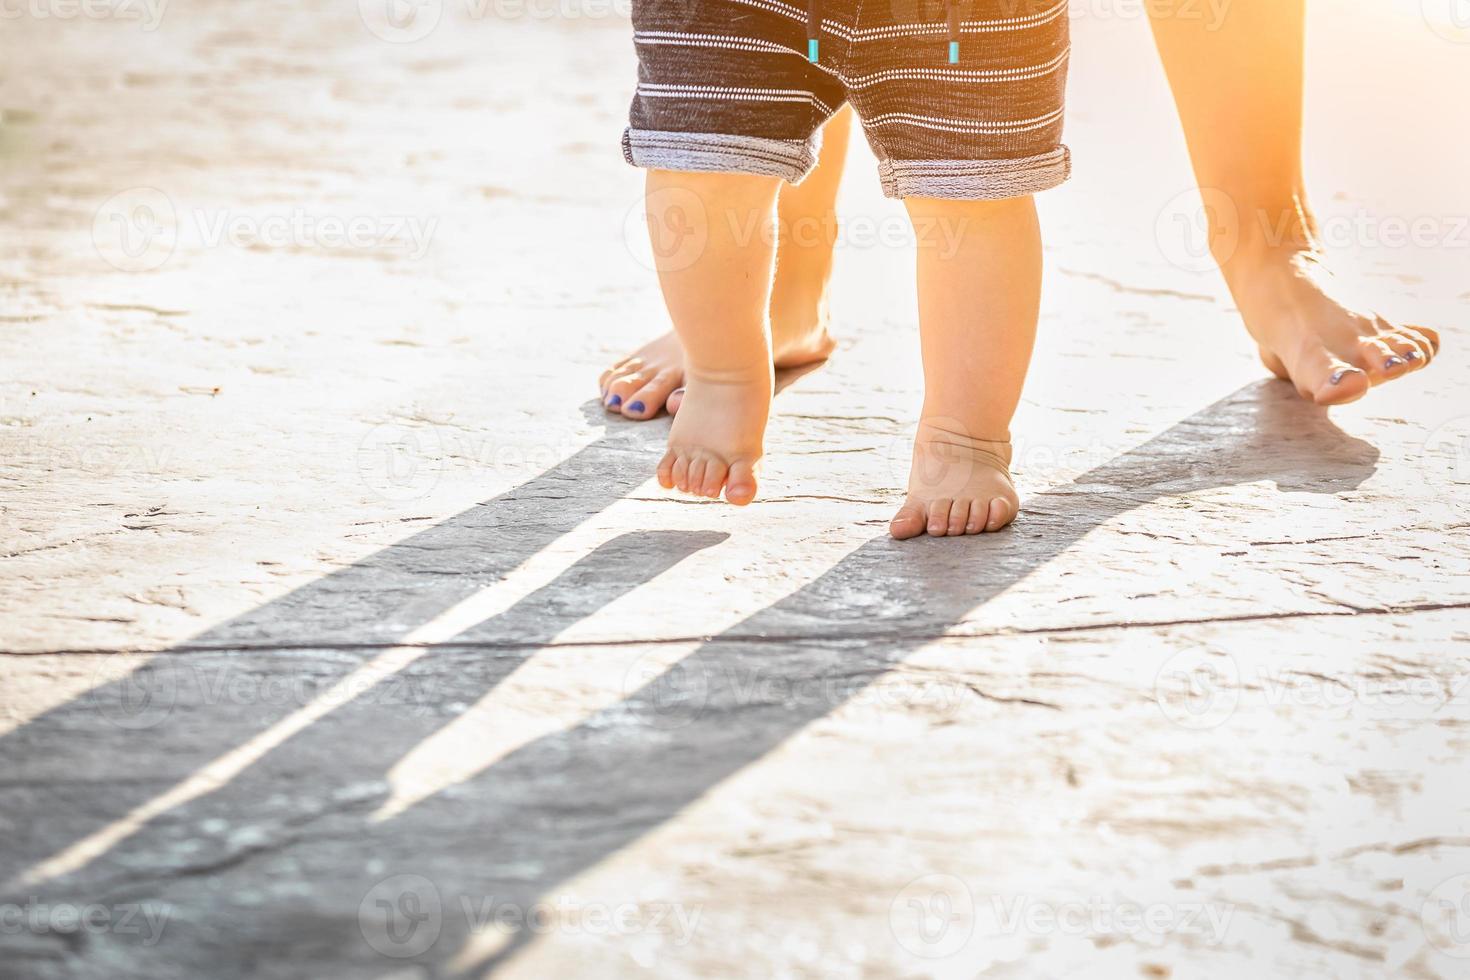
(959, 98)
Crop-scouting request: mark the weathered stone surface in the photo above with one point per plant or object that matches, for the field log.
(342, 629)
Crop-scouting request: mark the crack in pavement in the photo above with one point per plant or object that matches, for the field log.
(746, 638)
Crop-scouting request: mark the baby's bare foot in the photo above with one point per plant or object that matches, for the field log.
(957, 485)
(717, 438)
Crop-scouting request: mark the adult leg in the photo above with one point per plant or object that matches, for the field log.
(1237, 82)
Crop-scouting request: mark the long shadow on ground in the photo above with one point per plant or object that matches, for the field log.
(290, 869)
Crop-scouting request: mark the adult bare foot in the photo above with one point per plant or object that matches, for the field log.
(1310, 333)
(1237, 83)
(652, 377)
(639, 385)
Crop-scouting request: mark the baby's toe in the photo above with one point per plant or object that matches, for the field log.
(979, 514)
(939, 517)
(1001, 513)
(681, 473)
(646, 402)
(740, 486)
(909, 521)
(959, 516)
(695, 477)
(666, 471)
(715, 472)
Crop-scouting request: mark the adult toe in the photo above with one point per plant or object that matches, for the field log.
(646, 402)
(607, 377)
(621, 389)
(1322, 377)
(1429, 348)
(1415, 354)
(1381, 361)
(1429, 334)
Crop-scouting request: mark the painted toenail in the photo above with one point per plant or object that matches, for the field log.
(1413, 355)
(1339, 374)
(636, 407)
(614, 401)
(1392, 363)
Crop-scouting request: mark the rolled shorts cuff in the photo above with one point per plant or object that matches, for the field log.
(791, 160)
(975, 180)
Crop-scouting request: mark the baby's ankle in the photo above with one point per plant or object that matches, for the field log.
(755, 373)
(953, 433)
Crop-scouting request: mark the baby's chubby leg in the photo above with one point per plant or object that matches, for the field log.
(717, 286)
(979, 276)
